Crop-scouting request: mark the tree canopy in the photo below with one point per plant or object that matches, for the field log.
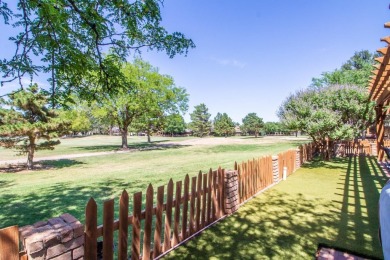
(200, 120)
(223, 125)
(24, 119)
(68, 39)
(252, 124)
(145, 97)
(329, 113)
(356, 71)
(174, 124)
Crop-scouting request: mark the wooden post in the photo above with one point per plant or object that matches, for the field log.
(123, 225)
(380, 131)
(90, 246)
(9, 243)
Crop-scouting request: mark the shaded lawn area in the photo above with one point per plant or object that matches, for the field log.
(334, 203)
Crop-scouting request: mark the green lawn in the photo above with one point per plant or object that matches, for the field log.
(88, 144)
(27, 197)
(334, 203)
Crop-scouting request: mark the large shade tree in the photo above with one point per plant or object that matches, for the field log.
(145, 96)
(25, 119)
(67, 39)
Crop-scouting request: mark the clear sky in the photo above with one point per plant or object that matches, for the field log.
(250, 55)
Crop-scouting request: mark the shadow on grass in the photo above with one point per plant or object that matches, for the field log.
(336, 163)
(39, 166)
(280, 225)
(131, 146)
(61, 198)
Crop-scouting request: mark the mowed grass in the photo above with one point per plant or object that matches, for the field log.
(334, 203)
(28, 197)
(89, 144)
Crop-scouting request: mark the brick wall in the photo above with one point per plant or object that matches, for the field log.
(58, 238)
(231, 192)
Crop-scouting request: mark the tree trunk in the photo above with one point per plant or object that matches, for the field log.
(149, 141)
(124, 138)
(30, 154)
(256, 134)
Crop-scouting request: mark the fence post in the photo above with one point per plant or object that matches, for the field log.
(231, 192)
(275, 168)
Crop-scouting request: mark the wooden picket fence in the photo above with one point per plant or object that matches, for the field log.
(357, 148)
(169, 218)
(185, 213)
(253, 176)
(192, 209)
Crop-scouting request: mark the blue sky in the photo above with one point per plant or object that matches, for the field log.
(250, 55)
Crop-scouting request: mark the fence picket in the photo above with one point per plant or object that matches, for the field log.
(176, 237)
(203, 222)
(158, 228)
(168, 217)
(192, 206)
(209, 196)
(9, 243)
(198, 202)
(90, 249)
(148, 223)
(108, 229)
(215, 201)
(123, 225)
(185, 207)
(136, 239)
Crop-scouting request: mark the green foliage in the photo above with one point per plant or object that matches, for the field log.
(200, 120)
(174, 124)
(143, 100)
(79, 116)
(334, 112)
(24, 119)
(274, 127)
(356, 71)
(252, 124)
(67, 39)
(223, 125)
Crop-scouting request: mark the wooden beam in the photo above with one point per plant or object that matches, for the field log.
(386, 39)
(387, 25)
(379, 59)
(383, 50)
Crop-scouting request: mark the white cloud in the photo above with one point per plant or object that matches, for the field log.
(229, 62)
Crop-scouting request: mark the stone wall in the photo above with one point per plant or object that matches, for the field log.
(58, 238)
